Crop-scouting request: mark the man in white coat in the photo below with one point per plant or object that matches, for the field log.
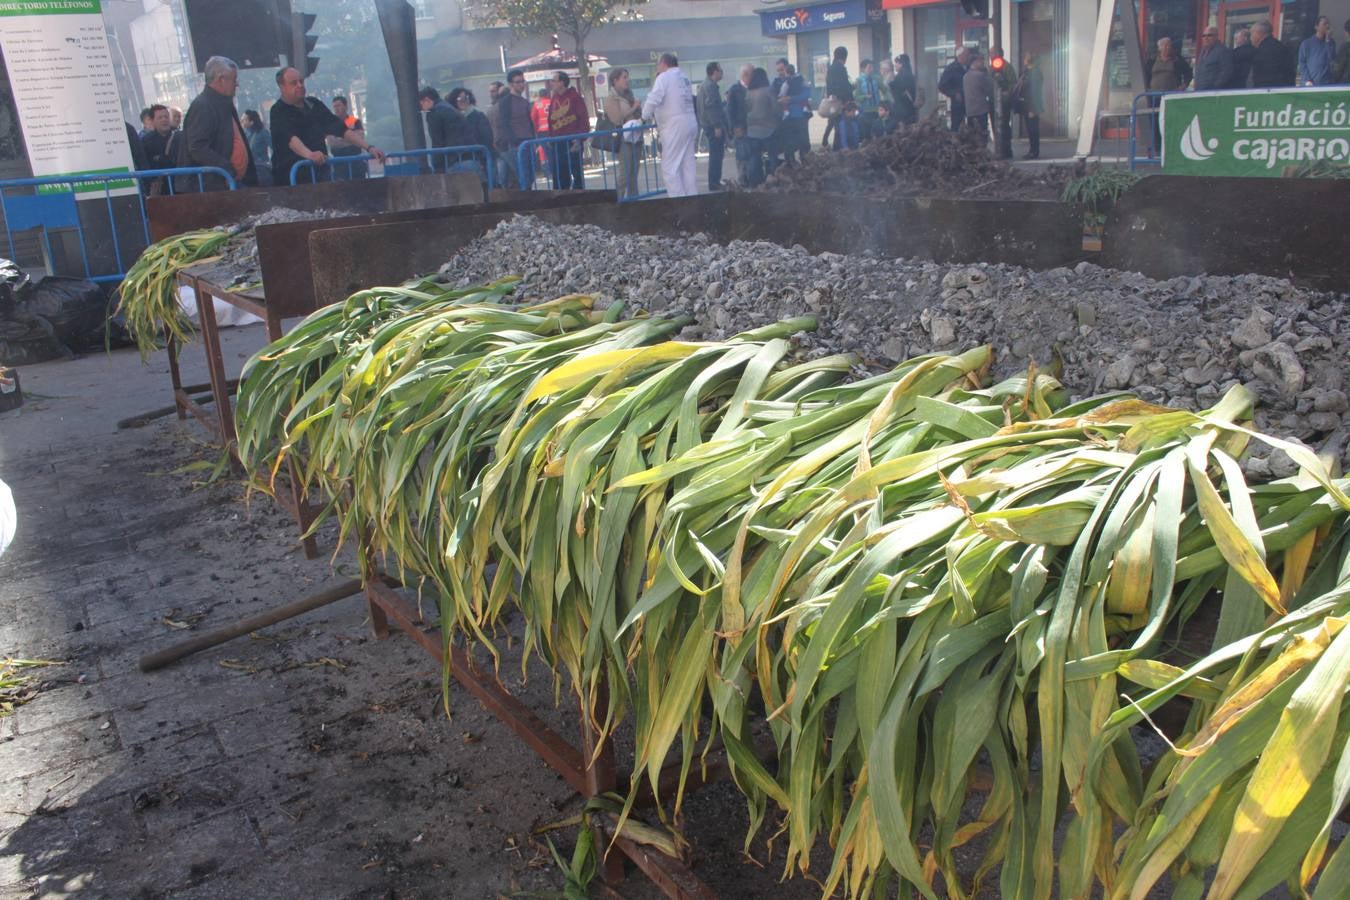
(671, 104)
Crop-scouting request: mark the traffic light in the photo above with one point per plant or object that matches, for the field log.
(294, 38)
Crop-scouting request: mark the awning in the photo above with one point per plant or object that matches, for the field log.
(907, 4)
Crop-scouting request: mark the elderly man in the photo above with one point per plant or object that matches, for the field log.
(1242, 58)
(1166, 72)
(1317, 55)
(300, 125)
(1272, 63)
(213, 135)
(671, 103)
(1214, 65)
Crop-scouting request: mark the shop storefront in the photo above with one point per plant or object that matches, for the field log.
(1041, 29)
(937, 29)
(811, 31)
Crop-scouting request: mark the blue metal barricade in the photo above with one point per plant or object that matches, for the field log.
(1151, 113)
(469, 158)
(70, 202)
(554, 162)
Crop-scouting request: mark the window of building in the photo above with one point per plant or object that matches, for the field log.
(421, 9)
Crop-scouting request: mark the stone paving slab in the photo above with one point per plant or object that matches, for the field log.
(306, 761)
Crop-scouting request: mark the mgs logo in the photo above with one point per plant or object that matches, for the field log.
(1193, 145)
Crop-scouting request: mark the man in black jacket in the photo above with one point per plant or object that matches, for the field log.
(446, 126)
(952, 85)
(1272, 63)
(300, 125)
(1242, 59)
(212, 135)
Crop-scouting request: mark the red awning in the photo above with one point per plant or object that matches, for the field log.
(554, 58)
(906, 4)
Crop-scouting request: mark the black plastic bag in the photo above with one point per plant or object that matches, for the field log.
(77, 311)
(24, 337)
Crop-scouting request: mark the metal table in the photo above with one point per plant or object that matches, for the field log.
(220, 421)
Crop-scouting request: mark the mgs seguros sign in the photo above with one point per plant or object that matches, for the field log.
(1254, 133)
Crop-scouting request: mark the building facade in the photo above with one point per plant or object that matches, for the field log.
(1059, 33)
(454, 49)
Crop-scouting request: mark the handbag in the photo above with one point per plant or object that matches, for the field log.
(1018, 98)
(606, 142)
(830, 107)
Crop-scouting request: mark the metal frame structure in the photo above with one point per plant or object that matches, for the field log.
(221, 422)
(589, 769)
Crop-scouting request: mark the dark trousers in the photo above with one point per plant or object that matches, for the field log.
(980, 123)
(1005, 131)
(869, 125)
(958, 114)
(717, 148)
(564, 165)
(749, 167)
(794, 140)
(1031, 124)
(750, 157)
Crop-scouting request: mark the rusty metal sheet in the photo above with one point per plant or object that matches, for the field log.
(175, 214)
(1171, 225)
(284, 250)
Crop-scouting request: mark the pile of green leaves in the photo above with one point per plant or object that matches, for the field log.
(904, 584)
(148, 295)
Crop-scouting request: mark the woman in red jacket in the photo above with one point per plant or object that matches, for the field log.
(567, 114)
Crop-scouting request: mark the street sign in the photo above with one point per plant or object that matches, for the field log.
(1254, 133)
(61, 73)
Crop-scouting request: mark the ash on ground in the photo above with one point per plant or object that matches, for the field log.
(1181, 342)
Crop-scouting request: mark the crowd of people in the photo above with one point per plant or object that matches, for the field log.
(1257, 59)
(763, 121)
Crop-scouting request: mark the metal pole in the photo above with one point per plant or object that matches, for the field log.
(161, 658)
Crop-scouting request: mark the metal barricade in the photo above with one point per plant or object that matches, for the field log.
(71, 203)
(468, 158)
(635, 173)
(1152, 111)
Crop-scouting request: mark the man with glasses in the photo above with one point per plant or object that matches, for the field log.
(511, 127)
(1214, 66)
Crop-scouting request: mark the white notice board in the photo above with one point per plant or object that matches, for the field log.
(61, 73)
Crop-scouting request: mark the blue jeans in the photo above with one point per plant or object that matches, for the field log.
(749, 161)
(717, 148)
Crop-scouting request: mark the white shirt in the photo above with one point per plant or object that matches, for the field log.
(670, 100)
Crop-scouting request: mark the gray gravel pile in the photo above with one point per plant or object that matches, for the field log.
(238, 264)
(1183, 342)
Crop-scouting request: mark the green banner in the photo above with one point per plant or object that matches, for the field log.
(50, 7)
(117, 185)
(1255, 133)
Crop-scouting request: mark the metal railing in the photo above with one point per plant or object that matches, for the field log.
(1152, 111)
(64, 203)
(551, 162)
(468, 158)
